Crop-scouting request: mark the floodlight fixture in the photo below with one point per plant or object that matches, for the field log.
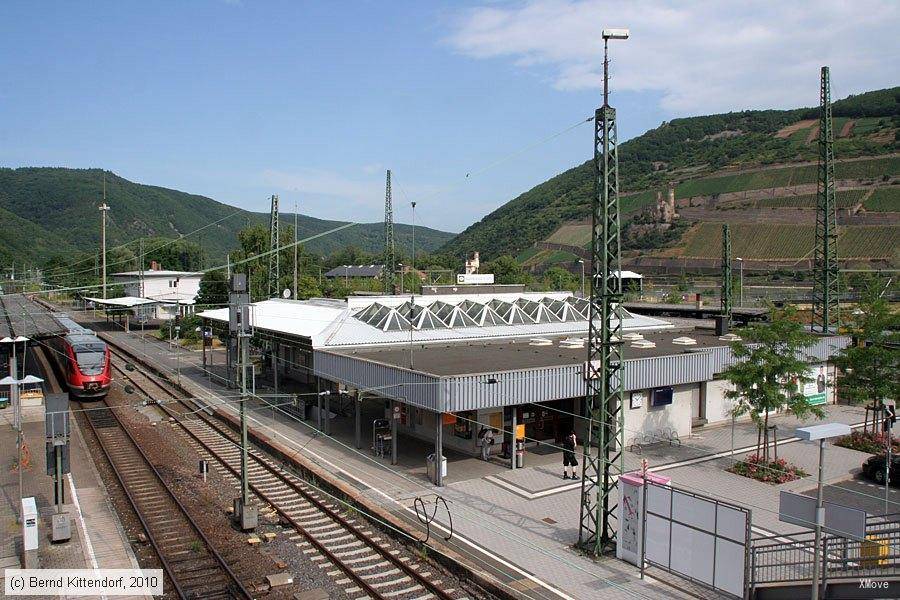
(615, 34)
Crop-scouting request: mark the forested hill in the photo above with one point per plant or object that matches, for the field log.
(685, 149)
(53, 211)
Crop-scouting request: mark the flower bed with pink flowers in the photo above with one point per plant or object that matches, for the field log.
(866, 441)
(774, 471)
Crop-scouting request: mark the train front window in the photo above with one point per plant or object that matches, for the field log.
(91, 358)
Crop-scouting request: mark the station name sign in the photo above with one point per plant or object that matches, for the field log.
(475, 278)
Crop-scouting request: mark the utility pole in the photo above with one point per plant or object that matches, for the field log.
(295, 250)
(414, 237)
(826, 300)
(726, 272)
(103, 210)
(141, 268)
(389, 252)
(603, 401)
(274, 266)
(239, 316)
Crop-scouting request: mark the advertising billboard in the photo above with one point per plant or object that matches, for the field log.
(814, 390)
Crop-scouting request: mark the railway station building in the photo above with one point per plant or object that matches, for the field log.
(446, 366)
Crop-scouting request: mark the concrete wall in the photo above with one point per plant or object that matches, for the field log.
(718, 407)
(647, 419)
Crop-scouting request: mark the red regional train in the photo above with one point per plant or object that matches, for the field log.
(84, 358)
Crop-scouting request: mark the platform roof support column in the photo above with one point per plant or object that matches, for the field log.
(512, 446)
(439, 449)
(357, 403)
(275, 369)
(394, 420)
(318, 404)
(327, 414)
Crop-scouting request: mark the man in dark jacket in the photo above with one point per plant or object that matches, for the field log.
(569, 459)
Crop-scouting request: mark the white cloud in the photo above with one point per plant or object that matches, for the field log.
(702, 57)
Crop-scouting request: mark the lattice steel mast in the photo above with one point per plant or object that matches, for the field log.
(390, 258)
(274, 264)
(727, 295)
(825, 313)
(603, 403)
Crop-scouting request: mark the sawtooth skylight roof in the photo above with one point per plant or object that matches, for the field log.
(468, 313)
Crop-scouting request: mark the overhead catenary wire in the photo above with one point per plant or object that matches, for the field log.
(53, 272)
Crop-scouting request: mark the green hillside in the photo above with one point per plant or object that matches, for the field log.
(51, 211)
(706, 155)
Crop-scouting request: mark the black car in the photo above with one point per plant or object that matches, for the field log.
(873, 469)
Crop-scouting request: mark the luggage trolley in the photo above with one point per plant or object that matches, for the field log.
(381, 437)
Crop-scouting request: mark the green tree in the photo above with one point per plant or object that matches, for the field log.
(506, 270)
(769, 372)
(557, 278)
(175, 255)
(213, 289)
(871, 364)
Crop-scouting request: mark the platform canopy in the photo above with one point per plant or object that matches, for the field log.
(22, 316)
(124, 302)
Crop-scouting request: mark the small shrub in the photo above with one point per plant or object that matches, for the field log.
(775, 471)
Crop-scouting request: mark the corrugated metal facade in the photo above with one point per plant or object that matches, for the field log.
(509, 388)
(418, 389)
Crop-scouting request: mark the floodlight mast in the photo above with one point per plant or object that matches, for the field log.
(603, 398)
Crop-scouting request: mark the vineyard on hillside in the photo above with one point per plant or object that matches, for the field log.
(884, 200)
(772, 178)
(775, 241)
(843, 199)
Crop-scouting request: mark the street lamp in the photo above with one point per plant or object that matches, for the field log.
(400, 269)
(820, 433)
(741, 262)
(581, 262)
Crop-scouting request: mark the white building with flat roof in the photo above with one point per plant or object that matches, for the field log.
(174, 291)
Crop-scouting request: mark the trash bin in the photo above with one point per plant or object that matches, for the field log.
(429, 467)
(520, 454)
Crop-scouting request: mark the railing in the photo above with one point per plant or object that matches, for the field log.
(789, 558)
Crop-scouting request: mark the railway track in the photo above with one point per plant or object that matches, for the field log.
(366, 566)
(194, 568)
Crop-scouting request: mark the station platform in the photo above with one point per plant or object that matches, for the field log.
(98, 539)
(521, 524)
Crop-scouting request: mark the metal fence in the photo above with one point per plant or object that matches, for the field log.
(700, 538)
(780, 558)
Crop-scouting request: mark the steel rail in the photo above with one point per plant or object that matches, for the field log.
(239, 587)
(226, 433)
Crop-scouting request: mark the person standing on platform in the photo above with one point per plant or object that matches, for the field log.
(569, 459)
(487, 440)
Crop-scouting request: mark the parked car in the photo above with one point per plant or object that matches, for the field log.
(873, 469)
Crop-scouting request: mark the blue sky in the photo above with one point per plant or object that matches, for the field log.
(313, 100)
